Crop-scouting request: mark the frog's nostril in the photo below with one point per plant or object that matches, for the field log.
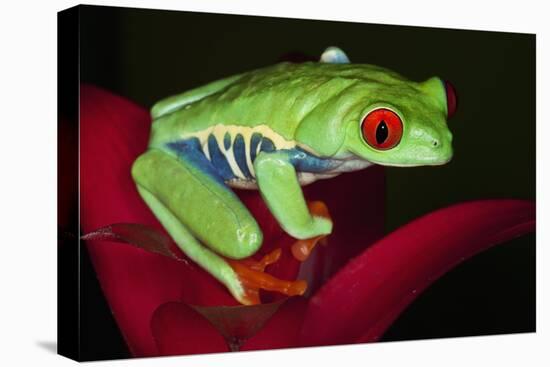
(435, 143)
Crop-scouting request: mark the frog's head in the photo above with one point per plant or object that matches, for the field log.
(404, 125)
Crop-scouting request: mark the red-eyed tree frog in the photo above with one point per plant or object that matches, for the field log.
(276, 129)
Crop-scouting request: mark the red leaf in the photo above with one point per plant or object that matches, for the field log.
(178, 329)
(113, 132)
(365, 297)
(137, 235)
(283, 329)
(239, 323)
(183, 329)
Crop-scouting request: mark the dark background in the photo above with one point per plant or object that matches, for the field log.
(145, 55)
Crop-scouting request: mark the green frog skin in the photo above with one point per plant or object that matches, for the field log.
(274, 130)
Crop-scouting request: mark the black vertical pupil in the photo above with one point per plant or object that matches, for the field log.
(381, 132)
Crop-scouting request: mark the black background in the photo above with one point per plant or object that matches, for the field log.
(146, 55)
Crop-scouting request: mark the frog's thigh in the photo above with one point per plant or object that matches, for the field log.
(206, 258)
(200, 201)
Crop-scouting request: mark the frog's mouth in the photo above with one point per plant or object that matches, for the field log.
(435, 162)
(433, 155)
(429, 160)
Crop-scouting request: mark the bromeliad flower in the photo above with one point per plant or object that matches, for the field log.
(358, 282)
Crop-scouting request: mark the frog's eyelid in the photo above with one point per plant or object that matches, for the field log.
(334, 55)
(386, 106)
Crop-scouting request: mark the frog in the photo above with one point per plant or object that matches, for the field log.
(276, 129)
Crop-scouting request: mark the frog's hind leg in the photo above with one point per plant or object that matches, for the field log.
(201, 255)
(196, 207)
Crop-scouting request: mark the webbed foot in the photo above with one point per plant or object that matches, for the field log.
(253, 278)
(251, 273)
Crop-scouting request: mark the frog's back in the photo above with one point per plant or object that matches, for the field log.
(278, 97)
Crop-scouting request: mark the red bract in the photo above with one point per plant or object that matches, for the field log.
(153, 297)
(373, 288)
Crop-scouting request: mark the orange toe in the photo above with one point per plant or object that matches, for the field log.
(301, 249)
(253, 278)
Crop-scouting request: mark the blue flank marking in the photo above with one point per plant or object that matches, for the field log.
(307, 162)
(190, 150)
(218, 159)
(239, 152)
(218, 168)
(267, 145)
(254, 141)
(226, 141)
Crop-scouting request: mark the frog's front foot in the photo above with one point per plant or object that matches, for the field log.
(301, 249)
(253, 278)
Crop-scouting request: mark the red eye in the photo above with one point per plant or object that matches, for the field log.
(450, 91)
(382, 129)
